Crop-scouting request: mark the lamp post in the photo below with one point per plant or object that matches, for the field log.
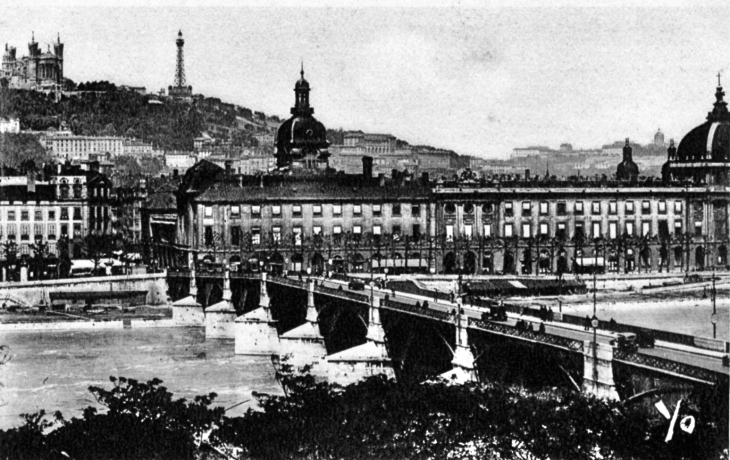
(713, 297)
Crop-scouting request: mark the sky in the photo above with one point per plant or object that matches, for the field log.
(478, 80)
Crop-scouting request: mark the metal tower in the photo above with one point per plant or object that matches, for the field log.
(180, 69)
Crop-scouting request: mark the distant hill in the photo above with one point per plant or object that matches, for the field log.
(165, 123)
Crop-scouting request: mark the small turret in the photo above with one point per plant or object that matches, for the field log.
(627, 170)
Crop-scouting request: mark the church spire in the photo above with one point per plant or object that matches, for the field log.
(719, 111)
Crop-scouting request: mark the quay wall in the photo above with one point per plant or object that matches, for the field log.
(36, 292)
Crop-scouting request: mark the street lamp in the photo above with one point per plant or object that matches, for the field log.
(713, 297)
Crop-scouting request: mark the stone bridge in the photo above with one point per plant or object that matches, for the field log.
(348, 336)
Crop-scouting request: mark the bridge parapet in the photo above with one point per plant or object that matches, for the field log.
(287, 282)
(548, 339)
(342, 294)
(667, 366)
(412, 309)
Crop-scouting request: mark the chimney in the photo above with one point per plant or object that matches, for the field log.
(381, 179)
(527, 174)
(367, 167)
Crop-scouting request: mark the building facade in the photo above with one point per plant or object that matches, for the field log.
(37, 71)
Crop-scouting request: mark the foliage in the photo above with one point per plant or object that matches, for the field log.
(17, 149)
(376, 418)
(141, 420)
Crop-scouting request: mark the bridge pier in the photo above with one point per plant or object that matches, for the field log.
(464, 369)
(220, 317)
(598, 370)
(305, 344)
(255, 332)
(187, 311)
(371, 358)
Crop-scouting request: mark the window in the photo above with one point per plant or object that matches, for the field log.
(560, 232)
(487, 230)
(579, 207)
(629, 207)
(526, 231)
(508, 230)
(209, 211)
(357, 231)
(544, 208)
(487, 208)
(544, 229)
(337, 230)
(24, 232)
(468, 231)
(51, 215)
(376, 230)
(526, 208)
(64, 213)
(579, 231)
(51, 231)
(396, 230)
(357, 209)
(416, 232)
(337, 210)
(317, 210)
(677, 228)
(449, 232)
(508, 211)
(396, 209)
(77, 191)
(38, 230)
(449, 208)
(415, 210)
(596, 229)
(11, 231)
(596, 208)
(64, 230)
(630, 228)
(612, 230)
(662, 207)
(698, 228)
(612, 208)
(276, 210)
(24, 215)
(77, 213)
(297, 231)
(208, 235)
(276, 234)
(11, 215)
(562, 208)
(256, 211)
(377, 210)
(235, 236)
(317, 230)
(677, 207)
(235, 212)
(38, 215)
(255, 235)
(645, 208)
(663, 229)
(645, 228)
(468, 208)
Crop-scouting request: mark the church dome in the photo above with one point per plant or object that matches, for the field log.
(709, 141)
(302, 135)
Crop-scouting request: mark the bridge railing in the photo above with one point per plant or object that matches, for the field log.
(667, 365)
(404, 307)
(287, 282)
(342, 293)
(245, 276)
(562, 342)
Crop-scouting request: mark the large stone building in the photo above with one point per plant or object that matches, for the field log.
(305, 216)
(37, 71)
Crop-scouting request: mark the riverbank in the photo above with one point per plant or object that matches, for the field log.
(141, 317)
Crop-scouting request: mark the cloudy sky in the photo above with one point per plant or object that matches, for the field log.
(480, 81)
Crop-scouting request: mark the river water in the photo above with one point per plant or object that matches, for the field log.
(52, 370)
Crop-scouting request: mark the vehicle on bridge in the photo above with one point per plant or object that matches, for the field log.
(625, 341)
(645, 339)
(356, 285)
(495, 313)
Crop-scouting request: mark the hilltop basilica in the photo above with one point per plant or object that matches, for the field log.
(37, 71)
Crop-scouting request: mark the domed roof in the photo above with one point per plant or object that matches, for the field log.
(710, 140)
(302, 134)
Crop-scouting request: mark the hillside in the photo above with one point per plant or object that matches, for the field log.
(169, 125)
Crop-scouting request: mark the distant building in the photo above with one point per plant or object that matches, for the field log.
(9, 125)
(136, 148)
(180, 160)
(36, 71)
(659, 138)
(137, 89)
(80, 147)
(265, 140)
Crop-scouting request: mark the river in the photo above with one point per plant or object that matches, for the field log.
(52, 370)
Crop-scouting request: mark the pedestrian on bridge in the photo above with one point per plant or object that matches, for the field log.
(418, 304)
(425, 304)
(586, 323)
